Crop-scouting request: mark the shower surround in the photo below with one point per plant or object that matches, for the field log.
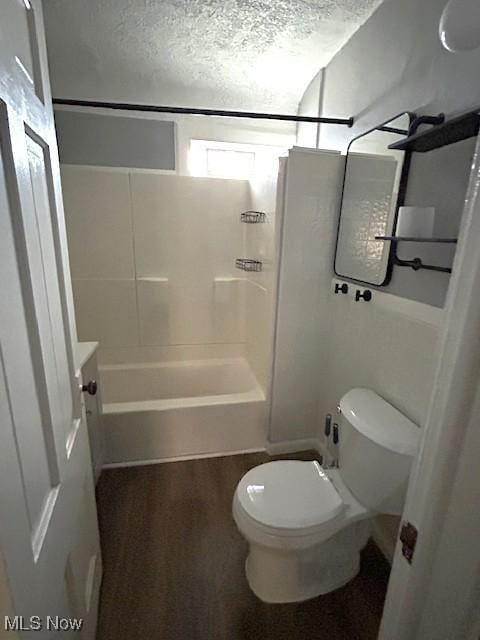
(185, 347)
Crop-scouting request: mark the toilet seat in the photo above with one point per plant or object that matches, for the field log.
(288, 498)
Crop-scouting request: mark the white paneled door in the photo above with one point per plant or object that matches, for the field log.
(48, 525)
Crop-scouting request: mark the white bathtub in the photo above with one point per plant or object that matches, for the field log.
(160, 411)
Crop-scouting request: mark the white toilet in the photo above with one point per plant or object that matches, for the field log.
(306, 525)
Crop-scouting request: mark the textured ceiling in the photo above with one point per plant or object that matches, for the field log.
(234, 54)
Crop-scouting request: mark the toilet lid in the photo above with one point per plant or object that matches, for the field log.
(289, 494)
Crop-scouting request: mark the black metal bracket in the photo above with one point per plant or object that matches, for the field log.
(328, 425)
(341, 288)
(416, 264)
(335, 437)
(419, 120)
(366, 295)
(456, 129)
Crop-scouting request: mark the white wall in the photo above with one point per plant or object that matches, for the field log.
(152, 260)
(388, 345)
(327, 344)
(310, 105)
(395, 62)
(312, 188)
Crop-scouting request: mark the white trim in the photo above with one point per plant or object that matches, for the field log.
(314, 151)
(24, 69)
(292, 446)
(218, 279)
(166, 364)
(102, 168)
(417, 311)
(272, 448)
(198, 456)
(279, 233)
(321, 99)
(152, 279)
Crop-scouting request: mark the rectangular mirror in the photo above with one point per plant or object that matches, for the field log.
(373, 189)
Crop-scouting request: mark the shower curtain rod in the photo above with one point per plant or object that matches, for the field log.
(127, 106)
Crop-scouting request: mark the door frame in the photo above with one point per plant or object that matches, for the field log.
(437, 596)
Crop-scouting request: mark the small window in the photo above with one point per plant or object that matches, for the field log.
(240, 161)
(223, 163)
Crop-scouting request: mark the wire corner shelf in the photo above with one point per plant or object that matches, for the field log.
(253, 217)
(246, 264)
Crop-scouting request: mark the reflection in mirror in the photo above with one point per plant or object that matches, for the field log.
(373, 181)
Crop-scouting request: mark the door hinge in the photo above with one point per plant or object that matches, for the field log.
(408, 538)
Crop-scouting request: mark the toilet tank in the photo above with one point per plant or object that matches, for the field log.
(377, 445)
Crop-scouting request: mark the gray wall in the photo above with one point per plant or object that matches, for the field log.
(395, 62)
(115, 141)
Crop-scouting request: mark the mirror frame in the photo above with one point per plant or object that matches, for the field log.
(402, 189)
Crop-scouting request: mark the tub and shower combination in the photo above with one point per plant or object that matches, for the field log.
(184, 334)
(162, 410)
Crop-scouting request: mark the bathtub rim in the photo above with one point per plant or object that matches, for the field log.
(255, 394)
(166, 364)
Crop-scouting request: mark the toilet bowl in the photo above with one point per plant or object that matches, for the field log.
(306, 525)
(304, 528)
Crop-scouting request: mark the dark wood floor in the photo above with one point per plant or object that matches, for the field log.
(174, 564)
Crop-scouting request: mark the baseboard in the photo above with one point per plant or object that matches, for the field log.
(198, 456)
(292, 446)
(272, 448)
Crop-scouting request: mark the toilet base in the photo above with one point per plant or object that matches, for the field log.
(277, 575)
